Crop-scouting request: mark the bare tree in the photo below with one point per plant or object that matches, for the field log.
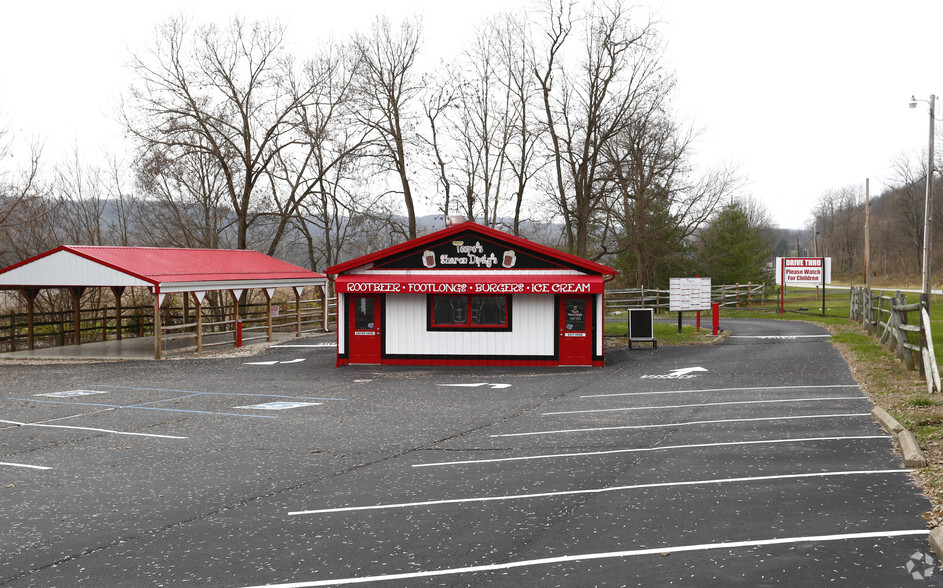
(517, 63)
(585, 109)
(227, 95)
(22, 200)
(329, 141)
(389, 86)
(441, 96)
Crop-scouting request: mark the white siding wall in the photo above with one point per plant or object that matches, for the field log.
(531, 319)
(342, 323)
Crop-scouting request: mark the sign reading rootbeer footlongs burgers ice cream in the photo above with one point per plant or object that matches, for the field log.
(470, 294)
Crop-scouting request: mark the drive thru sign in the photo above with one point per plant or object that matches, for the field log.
(810, 271)
(802, 271)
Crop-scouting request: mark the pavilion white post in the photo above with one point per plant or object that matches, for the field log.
(198, 303)
(158, 298)
(298, 290)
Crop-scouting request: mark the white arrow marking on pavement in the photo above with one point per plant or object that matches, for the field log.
(682, 371)
(292, 361)
(260, 363)
(493, 386)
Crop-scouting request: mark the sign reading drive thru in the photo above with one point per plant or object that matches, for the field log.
(811, 271)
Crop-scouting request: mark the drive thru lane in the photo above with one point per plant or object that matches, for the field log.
(762, 468)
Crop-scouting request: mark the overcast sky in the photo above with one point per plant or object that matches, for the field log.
(802, 96)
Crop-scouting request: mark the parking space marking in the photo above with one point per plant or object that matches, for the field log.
(601, 490)
(197, 393)
(607, 555)
(687, 423)
(720, 390)
(135, 406)
(311, 345)
(648, 449)
(23, 465)
(782, 400)
(19, 424)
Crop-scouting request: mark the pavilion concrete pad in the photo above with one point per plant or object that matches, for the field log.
(136, 348)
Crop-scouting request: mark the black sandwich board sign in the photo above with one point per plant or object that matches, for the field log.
(642, 326)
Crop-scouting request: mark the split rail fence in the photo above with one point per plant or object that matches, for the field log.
(178, 333)
(729, 295)
(902, 325)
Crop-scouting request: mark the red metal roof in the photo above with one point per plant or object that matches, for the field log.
(193, 265)
(170, 265)
(518, 242)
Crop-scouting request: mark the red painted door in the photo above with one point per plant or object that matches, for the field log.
(576, 330)
(364, 328)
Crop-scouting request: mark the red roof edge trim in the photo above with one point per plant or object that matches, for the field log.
(470, 225)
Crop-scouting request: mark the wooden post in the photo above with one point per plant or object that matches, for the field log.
(12, 330)
(198, 304)
(30, 294)
(235, 317)
(158, 352)
(117, 291)
(268, 312)
(298, 291)
(324, 302)
(77, 312)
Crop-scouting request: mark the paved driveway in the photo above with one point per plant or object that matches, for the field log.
(754, 462)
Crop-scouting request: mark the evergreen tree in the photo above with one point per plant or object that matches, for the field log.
(733, 250)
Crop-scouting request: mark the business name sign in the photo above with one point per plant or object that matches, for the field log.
(803, 270)
(689, 294)
(468, 251)
(397, 286)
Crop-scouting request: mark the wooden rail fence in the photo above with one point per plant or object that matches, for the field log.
(890, 315)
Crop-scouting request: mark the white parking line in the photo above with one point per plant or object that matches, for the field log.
(92, 429)
(687, 423)
(707, 404)
(721, 390)
(23, 465)
(605, 555)
(598, 490)
(647, 449)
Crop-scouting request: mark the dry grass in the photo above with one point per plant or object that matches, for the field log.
(903, 394)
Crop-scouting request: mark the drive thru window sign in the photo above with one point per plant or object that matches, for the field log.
(802, 271)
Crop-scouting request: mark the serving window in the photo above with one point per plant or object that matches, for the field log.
(469, 312)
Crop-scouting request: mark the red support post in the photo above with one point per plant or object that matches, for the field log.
(715, 312)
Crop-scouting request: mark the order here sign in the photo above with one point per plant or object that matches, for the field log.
(803, 270)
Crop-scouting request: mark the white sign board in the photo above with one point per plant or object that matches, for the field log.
(689, 294)
(803, 270)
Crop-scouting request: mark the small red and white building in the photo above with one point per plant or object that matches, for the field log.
(470, 295)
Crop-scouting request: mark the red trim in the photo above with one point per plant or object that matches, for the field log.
(341, 361)
(518, 242)
(468, 284)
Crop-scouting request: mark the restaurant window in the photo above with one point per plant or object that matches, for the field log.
(469, 312)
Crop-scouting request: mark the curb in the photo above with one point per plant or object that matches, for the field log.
(936, 541)
(913, 457)
(887, 422)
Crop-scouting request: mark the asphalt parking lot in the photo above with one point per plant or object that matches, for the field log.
(754, 462)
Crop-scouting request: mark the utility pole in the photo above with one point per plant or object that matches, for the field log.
(928, 210)
(867, 236)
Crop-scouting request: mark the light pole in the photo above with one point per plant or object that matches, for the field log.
(928, 205)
